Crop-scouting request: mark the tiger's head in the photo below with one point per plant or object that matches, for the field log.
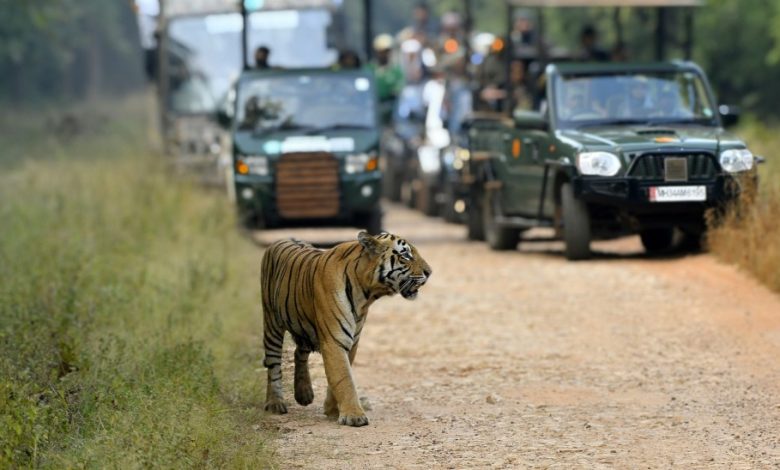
(399, 267)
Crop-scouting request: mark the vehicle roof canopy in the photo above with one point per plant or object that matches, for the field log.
(597, 68)
(204, 7)
(254, 74)
(198, 7)
(605, 3)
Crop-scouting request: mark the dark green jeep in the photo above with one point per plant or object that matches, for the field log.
(305, 148)
(612, 149)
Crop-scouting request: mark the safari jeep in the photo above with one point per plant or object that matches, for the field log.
(613, 149)
(305, 148)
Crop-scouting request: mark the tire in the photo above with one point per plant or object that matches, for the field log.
(576, 225)
(392, 185)
(657, 240)
(250, 220)
(371, 221)
(693, 242)
(426, 200)
(475, 229)
(498, 238)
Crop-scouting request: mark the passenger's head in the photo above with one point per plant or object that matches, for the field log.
(383, 44)
(668, 103)
(451, 22)
(639, 89)
(421, 13)
(588, 36)
(619, 52)
(349, 59)
(262, 54)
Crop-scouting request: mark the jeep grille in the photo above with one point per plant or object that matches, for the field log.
(307, 185)
(650, 166)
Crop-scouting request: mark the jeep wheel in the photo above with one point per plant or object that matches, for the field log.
(498, 237)
(576, 225)
(476, 231)
(392, 184)
(371, 221)
(426, 200)
(657, 240)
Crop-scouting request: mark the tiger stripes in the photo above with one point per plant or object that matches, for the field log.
(321, 298)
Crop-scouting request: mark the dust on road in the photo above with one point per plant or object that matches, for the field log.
(521, 359)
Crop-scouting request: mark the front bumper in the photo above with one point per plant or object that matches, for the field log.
(633, 195)
(256, 197)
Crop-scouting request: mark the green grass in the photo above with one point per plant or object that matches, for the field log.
(750, 234)
(129, 318)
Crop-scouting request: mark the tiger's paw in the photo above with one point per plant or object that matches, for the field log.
(276, 407)
(356, 421)
(331, 412)
(304, 394)
(366, 404)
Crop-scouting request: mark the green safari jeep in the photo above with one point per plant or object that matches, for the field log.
(612, 149)
(305, 146)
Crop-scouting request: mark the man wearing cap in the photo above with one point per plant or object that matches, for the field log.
(389, 77)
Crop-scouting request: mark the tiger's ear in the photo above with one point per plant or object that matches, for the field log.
(371, 244)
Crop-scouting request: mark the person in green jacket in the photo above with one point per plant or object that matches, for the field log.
(389, 76)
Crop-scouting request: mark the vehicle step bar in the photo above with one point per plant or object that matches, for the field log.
(521, 222)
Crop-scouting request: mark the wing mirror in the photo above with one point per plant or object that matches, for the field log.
(530, 120)
(224, 119)
(729, 115)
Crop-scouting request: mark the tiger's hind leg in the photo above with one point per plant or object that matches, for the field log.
(304, 394)
(273, 341)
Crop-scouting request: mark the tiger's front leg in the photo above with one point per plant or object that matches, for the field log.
(342, 396)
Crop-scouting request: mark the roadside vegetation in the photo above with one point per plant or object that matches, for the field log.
(750, 234)
(129, 320)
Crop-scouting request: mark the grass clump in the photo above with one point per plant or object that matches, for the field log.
(749, 235)
(129, 322)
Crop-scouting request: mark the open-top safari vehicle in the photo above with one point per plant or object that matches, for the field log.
(611, 149)
(305, 131)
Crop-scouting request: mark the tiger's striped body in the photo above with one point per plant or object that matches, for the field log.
(321, 297)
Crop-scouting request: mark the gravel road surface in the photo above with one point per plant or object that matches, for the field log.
(524, 360)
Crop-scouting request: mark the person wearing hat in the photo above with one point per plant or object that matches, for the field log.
(389, 76)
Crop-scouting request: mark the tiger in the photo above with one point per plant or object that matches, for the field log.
(321, 297)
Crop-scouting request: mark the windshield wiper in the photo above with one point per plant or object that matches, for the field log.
(338, 126)
(692, 121)
(615, 122)
(285, 126)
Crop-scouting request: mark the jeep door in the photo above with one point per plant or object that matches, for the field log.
(525, 150)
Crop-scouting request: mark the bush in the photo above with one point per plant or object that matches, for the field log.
(747, 236)
(129, 322)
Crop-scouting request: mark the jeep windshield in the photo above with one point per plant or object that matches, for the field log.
(307, 103)
(205, 51)
(652, 98)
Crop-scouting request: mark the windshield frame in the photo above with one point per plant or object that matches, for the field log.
(254, 76)
(559, 123)
(170, 23)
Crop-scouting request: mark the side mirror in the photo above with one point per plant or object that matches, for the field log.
(729, 115)
(224, 119)
(530, 120)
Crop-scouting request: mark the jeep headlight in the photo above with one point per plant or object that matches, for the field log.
(736, 160)
(598, 163)
(360, 162)
(252, 165)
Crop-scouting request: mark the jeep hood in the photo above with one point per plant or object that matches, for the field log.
(277, 143)
(649, 138)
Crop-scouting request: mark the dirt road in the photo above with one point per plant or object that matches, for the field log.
(521, 359)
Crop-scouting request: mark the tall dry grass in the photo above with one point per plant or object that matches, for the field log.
(749, 235)
(129, 320)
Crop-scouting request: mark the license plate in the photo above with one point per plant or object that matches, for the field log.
(678, 193)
